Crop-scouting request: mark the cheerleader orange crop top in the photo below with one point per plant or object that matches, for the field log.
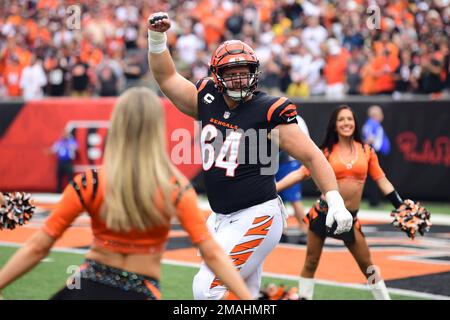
(365, 162)
(85, 193)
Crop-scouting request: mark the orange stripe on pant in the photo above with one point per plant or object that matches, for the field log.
(260, 219)
(252, 244)
(262, 229)
(237, 255)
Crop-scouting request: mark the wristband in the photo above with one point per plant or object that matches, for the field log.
(395, 199)
(157, 41)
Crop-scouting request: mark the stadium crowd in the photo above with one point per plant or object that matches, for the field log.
(306, 47)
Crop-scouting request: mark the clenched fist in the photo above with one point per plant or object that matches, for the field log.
(337, 213)
(159, 22)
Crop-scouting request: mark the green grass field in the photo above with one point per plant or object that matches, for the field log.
(50, 276)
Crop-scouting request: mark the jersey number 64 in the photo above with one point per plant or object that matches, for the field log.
(229, 147)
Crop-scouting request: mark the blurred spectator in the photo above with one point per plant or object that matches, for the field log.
(383, 68)
(188, 45)
(335, 70)
(353, 72)
(63, 36)
(112, 83)
(130, 36)
(107, 82)
(373, 132)
(368, 85)
(311, 8)
(3, 90)
(33, 80)
(56, 68)
(353, 39)
(315, 79)
(314, 35)
(432, 64)
(284, 74)
(12, 73)
(413, 30)
(65, 149)
(298, 88)
(406, 74)
(375, 136)
(133, 69)
(270, 79)
(79, 78)
(235, 22)
(300, 59)
(200, 68)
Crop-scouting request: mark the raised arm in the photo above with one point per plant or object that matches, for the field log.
(178, 89)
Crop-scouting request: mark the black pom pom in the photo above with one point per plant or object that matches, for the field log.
(16, 211)
(411, 218)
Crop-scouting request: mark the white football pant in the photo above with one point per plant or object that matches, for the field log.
(248, 236)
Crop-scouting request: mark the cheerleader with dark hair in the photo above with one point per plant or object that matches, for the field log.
(352, 161)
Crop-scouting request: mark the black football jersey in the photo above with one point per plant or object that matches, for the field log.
(239, 161)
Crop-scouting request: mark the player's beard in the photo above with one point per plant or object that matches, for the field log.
(238, 94)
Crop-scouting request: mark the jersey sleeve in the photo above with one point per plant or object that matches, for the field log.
(201, 84)
(282, 111)
(66, 210)
(190, 215)
(375, 170)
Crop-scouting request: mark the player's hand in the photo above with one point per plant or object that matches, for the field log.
(159, 22)
(337, 213)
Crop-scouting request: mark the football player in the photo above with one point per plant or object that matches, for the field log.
(237, 123)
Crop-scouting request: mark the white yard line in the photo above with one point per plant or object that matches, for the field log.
(358, 286)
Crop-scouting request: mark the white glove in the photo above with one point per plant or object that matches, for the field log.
(337, 212)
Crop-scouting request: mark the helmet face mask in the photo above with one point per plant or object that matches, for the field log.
(239, 57)
(240, 84)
